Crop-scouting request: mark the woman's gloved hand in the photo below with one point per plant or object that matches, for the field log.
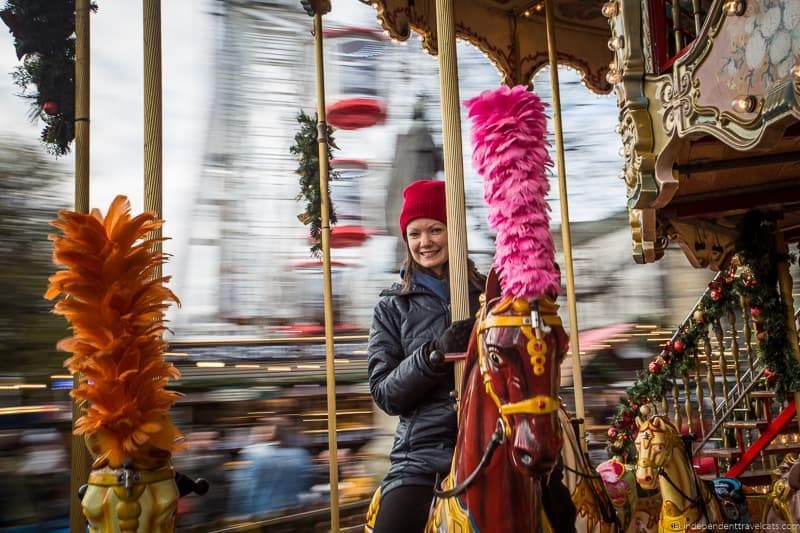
(454, 339)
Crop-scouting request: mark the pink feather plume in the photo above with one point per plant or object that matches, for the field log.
(510, 152)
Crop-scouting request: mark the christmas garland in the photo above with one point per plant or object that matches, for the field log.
(751, 274)
(44, 39)
(306, 150)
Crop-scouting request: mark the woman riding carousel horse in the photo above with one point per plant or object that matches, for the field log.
(509, 437)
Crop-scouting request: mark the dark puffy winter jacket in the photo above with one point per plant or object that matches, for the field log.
(403, 383)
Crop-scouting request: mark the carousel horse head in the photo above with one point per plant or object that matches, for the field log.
(656, 443)
(520, 348)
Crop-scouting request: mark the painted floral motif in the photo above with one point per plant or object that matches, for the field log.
(769, 45)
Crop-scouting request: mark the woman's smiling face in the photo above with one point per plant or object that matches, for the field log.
(427, 240)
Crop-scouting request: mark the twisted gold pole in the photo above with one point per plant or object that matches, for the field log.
(152, 113)
(785, 289)
(453, 167)
(327, 288)
(566, 235)
(80, 462)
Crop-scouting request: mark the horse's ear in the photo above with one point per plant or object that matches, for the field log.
(492, 286)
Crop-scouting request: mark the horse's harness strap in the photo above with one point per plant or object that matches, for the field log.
(538, 405)
(659, 468)
(499, 321)
(498, 437)
(529, 324)
(125, 476)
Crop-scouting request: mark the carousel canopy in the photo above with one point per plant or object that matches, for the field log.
(512, 33)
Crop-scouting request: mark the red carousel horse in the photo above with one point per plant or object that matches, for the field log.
(509, 436)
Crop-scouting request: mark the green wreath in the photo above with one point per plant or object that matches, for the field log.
(306, 151)
(752, 273)
(43, 32)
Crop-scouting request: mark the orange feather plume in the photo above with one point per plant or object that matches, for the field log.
(115, 308)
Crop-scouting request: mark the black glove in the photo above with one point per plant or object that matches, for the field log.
(455, 338)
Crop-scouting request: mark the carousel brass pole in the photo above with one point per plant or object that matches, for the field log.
(327, 291)
(785, 290)
(80, 461)
(152, 113)
(453, 167)
(566, 237)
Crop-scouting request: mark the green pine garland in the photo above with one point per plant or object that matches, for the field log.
(306, 150)
(752, 273)
(44, 40)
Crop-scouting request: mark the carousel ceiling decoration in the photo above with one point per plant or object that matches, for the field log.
(512, 34)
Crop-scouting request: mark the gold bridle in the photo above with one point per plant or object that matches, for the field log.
(532, 324)
(670, 441)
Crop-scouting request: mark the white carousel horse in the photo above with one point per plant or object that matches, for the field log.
(662, 462)
(618, 493)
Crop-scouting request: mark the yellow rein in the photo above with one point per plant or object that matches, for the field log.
(537, 349)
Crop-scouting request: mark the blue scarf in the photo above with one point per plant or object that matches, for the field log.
(433, 284)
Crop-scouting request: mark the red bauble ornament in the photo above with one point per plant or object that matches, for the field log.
(50, 107)
(678, 346)
(755, 312)
(770, 375)
(654, 367)
(715, 294)
(612, 433)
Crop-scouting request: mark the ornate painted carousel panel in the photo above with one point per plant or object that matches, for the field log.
(710, 101)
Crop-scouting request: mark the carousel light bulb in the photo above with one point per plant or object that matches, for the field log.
(527, 13)
(613, 76)
(610, 9)
(539, 7)
(615, 43)
(735, 7)
(745, 104)
(795, 72)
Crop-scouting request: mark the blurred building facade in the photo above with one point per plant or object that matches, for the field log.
(247, 267)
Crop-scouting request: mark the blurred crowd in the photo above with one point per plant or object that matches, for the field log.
(254, 473)
(34, 480)
(262, 472)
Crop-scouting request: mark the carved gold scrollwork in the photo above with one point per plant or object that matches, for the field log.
(639, 160)
(646, 247)
(706, 244)
(677, 102)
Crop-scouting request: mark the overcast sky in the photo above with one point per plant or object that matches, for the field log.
(117, 102)
(188, 37)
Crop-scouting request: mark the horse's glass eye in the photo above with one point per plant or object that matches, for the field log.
(496, 358)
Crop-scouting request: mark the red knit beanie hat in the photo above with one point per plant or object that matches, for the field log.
(423, 199)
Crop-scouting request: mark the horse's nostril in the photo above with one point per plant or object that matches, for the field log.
(526, 459)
